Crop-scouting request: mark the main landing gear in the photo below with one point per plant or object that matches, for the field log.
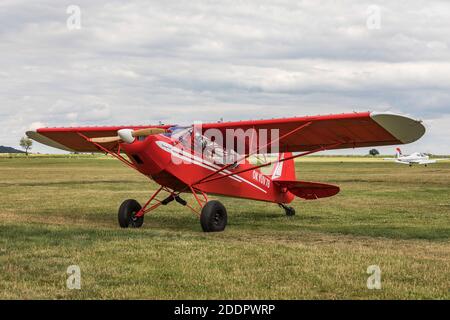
(213, 215)
(289, 210)
(127, 214)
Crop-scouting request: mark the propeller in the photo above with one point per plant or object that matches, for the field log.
(128, 135)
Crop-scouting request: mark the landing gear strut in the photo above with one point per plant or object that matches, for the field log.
(289, 210)
(213, 215)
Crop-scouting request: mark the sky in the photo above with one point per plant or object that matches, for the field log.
(141, 62)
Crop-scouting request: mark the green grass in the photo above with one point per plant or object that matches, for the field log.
(59, 211)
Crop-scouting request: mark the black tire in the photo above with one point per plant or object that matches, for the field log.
(127, 212)
(213, 217)
(290, 211)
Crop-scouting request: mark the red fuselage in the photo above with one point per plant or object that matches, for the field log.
(165, 161)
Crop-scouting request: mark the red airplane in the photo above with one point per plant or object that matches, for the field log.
(189, 160)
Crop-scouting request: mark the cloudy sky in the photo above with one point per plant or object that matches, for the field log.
(140, 62)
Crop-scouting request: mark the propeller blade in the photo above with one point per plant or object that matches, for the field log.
(128, 135)
(105, 139)
(147, 132)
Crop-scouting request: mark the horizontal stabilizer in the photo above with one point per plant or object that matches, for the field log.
(308, 190)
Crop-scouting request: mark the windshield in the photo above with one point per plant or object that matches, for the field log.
(180, 134)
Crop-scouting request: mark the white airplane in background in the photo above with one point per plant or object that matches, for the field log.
(415, 158)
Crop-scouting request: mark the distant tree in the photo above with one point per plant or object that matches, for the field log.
(26, 143)
(374, 152)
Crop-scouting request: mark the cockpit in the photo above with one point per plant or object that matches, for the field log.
(203, 146)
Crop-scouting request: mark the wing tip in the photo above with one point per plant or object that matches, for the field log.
(404, 129)
(33, 134)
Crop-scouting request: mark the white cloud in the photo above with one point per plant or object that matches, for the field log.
(179, 61)
(36, 125)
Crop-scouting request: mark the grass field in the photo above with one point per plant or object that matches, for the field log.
(56, 212)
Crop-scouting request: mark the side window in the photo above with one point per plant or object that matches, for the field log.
(259, 159)
(210, 151)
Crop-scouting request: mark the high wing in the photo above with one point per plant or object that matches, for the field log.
(296, 134)
(72, 139)
(426, 161)
(337, 131)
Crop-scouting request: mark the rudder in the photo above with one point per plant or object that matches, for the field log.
(284, 170)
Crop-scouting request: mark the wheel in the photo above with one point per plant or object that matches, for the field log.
(290, 211)
(213, 217)
(127, 212)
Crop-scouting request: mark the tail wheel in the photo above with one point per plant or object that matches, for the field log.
(127, 214)
(213, 217)
(290, 211)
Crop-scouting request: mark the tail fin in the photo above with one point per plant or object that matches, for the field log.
(284, 170)
(399, 152)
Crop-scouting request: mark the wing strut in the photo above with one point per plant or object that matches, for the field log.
(250, 154)
(269, 163)
(116, 155)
